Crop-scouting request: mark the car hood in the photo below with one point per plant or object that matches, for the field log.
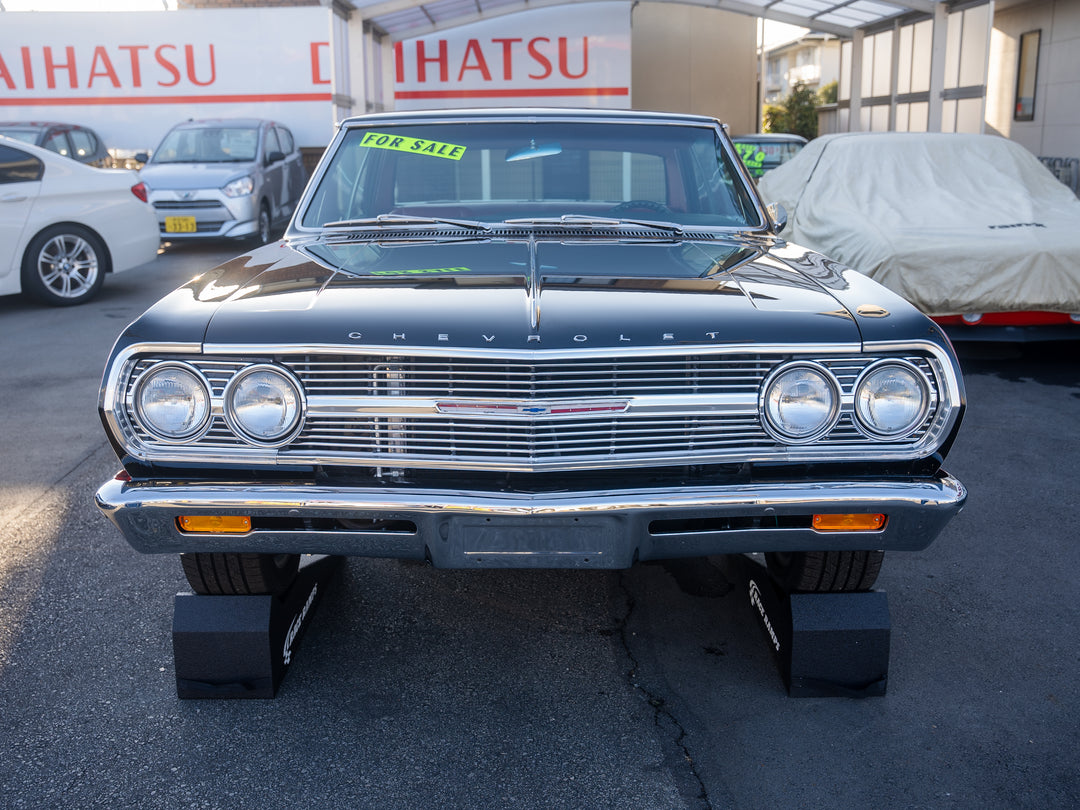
(192, 175)
(528, 295)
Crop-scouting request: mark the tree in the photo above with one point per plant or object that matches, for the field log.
(828, 93)
(801, 107)
(774, 119)
(797, 113)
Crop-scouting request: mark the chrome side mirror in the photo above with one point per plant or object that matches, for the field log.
(778, 214)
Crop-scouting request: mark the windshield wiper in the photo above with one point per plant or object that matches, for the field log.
(405, 219)
(584, 220)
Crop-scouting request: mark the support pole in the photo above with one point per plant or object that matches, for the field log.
(939, 43)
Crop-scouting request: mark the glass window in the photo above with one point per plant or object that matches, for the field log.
(973, 46)
(493, 171)
(903, 64)
(209, 145)
(16, 166)
(272, 144)
(882, 83)
(288, 145)
(84, 144)
(969, 115)
(57, 141)
(922, 43)
(844, 90)
(1026, 74)
(29, 136)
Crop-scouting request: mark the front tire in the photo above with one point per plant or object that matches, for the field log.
(64, 265)
(262, 235)
(825, 571)
(240, 574)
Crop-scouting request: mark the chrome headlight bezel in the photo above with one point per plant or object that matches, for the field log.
(862, 421)
(236, 424)
(138, 411)
(831, 384)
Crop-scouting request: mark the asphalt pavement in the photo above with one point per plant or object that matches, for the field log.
(420, 688)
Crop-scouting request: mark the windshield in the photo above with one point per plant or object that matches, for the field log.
(209, 145)
(499, 171)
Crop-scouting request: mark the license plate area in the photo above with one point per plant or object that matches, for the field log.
(180, 225)
(501, 542)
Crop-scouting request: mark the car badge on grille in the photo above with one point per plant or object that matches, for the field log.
(185, 195)
(533, 408)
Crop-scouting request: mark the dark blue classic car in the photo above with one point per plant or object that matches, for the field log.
(531, 338)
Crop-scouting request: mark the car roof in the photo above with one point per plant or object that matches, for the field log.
(771, 136)
(539, 113)
(199, 123)
(39, 124)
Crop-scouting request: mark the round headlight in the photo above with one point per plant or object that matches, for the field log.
(800, 402)
(173, 401)
(891, 399)
(263, 404)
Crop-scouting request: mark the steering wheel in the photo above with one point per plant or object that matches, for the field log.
(645, 205)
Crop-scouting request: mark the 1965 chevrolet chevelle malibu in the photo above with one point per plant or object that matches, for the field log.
(531, 338)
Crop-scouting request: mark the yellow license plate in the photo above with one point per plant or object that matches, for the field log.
(179, 224)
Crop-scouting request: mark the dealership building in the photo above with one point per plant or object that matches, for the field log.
(1010, 67)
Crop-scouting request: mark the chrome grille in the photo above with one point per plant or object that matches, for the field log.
(344, 376)
(380, 411)
(528, 442)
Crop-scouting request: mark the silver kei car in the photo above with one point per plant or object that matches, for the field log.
(224, 178)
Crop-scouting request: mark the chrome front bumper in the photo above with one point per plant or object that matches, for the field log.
(469, 529)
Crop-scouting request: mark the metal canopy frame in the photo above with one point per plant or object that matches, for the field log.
(404, 19)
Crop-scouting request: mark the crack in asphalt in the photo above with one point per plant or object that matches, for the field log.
(664, 719)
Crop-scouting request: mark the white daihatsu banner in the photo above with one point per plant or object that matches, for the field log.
(132, 75)
(567, 56)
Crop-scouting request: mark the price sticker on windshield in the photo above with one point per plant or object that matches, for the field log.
(418, 146)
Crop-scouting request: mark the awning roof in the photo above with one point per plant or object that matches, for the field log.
(402, 19)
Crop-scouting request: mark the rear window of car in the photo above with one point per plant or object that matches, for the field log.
(17, 166)
(493, 171)
(57, 141)
(83, 142)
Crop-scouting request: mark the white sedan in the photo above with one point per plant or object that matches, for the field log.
(64, 226)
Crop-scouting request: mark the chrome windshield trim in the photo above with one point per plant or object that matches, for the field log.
(761, 228)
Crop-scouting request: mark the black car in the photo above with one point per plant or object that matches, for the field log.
(70, 140)
(531, 338)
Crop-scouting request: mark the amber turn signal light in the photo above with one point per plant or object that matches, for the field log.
(848, 523)
(215, 524)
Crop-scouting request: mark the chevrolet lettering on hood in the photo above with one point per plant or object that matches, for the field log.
(531, 339)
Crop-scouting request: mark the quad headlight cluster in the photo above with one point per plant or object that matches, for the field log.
(262, 404)
(800, 402)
